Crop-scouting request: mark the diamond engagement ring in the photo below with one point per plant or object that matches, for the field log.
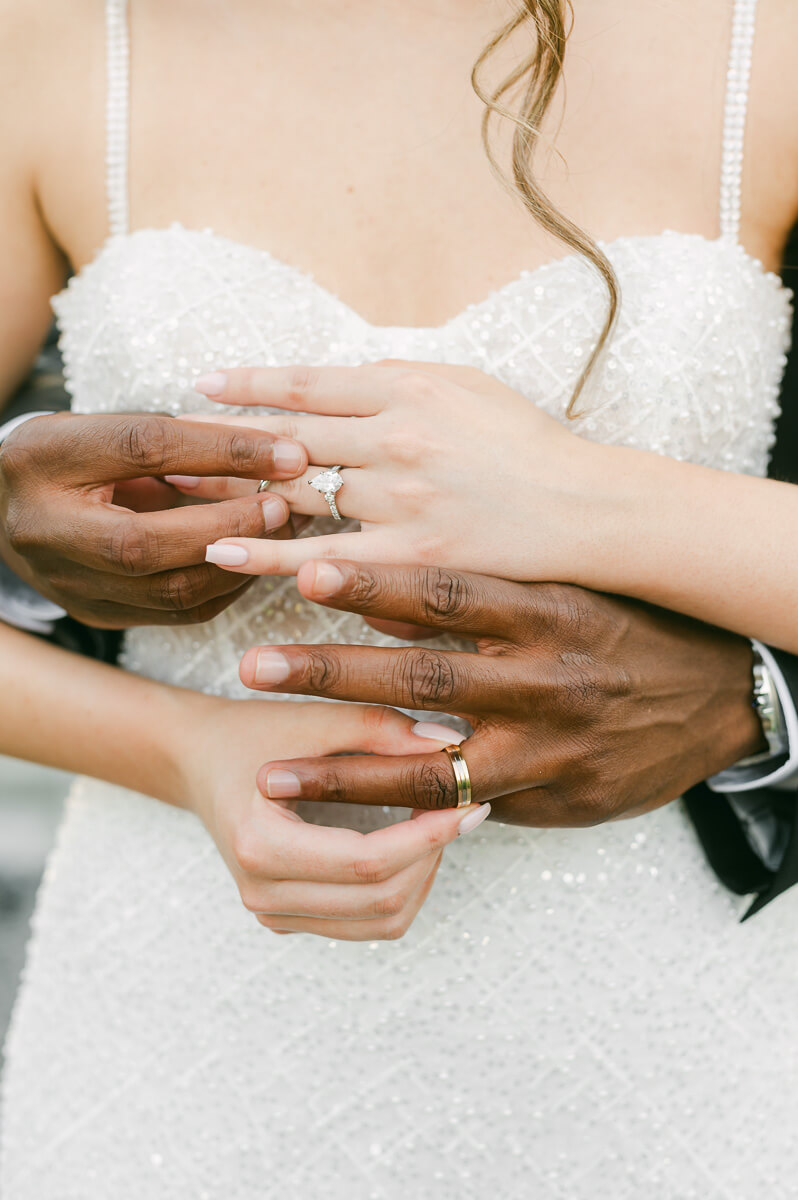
(328, 483)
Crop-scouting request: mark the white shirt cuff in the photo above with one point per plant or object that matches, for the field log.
(781, 770)
(20, 604)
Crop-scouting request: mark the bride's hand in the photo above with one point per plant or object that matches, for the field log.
(293, 875)
(435, 459)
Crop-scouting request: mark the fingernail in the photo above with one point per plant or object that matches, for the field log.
(212, 384)
(273, 513)
(226, 556)
(327, 579)
(282, 783)
(472, 819)
(272, 667)
(438, 733)
(184, 481)
(288, 457)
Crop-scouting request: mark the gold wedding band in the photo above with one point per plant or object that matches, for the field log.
(461, 775)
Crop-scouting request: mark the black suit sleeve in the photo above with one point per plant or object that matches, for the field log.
(728, 849)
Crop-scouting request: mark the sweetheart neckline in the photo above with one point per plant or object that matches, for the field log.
(523, 276)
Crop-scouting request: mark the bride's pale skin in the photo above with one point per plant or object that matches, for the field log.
(344, 138)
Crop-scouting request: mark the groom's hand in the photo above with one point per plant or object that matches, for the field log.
(585, 707)
(64, 530)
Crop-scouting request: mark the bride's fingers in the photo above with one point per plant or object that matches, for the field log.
(372, 729)
(353, 902)
(335, 391)
(326, 439)
(212, 488)
(252, 557)
(384, 928)
(279, 847)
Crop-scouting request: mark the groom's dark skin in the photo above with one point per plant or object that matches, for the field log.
(85, 520)
(585, 707)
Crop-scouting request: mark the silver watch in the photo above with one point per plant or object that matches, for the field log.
(771, 715)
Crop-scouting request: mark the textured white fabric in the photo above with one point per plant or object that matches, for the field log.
(575, 1014)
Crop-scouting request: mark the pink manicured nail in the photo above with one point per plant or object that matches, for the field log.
(212, 384)
(273, 513)
(280, 784)
(288, 457)
(226, 556)
(439, 733)
(271, 667)
(327, 580)
(472, 819)
(184, 481)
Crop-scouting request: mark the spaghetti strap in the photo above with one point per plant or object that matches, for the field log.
(116, 114)
(736, 107)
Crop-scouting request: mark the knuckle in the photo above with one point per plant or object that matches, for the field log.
(429, 678)
(145, 442)
(429, 549)
(321, 670)
(378, 720)
(405, 447)
(370, 869)
(244, 452)
(15, 458)
(25, 535)
(131, 548)
(364, 586)
(300, 382)
(428, 785)
(248, 857)
(179, 590)
(390, 904)
(287, 427)
(241, 520)
(445, 594)
(420, 387)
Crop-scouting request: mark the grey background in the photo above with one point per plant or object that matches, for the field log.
(31, 800)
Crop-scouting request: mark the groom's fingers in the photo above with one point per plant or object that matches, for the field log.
(425, 781)
(114, 540)
(455, 601)
(106, 448)
(413, 677)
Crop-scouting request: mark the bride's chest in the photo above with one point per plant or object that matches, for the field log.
(693, 369)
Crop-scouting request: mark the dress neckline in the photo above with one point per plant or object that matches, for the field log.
(469, 311)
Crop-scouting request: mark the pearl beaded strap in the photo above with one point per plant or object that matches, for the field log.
(116, 114)
(737, 81)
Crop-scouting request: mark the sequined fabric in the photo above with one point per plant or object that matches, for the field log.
(575, 1014)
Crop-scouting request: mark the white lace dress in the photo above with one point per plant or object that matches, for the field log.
(575, 1014)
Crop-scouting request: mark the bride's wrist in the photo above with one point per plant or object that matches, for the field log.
(611, 515)
(179, 717)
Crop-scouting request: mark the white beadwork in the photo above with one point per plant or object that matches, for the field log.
(737, 84)
(117, 115)
(575, 1014)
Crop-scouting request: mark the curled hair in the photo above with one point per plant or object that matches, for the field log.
(538, 75)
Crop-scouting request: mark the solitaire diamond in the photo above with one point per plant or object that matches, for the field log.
(327, 481)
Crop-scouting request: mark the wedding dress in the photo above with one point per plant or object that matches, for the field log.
(575, 1013)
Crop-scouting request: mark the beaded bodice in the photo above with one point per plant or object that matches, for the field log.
(692, 371)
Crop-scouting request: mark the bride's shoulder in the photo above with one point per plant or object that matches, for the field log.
(43, 39)
(51, 56)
